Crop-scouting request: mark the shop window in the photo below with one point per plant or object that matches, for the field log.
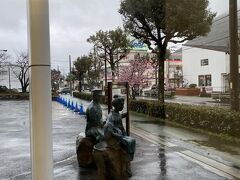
(205, 80)
(201, 80)
(208, 80)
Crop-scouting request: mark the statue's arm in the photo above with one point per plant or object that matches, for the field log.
(124, 115)
(124, 133)
(110, 130)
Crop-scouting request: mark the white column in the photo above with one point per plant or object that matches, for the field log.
(40, 90)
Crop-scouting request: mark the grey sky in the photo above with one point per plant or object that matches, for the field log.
(71, 23)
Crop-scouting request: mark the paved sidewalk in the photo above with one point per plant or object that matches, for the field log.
(153, 160)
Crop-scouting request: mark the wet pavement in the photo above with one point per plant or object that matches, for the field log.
(154, 159)
(208, 101)
(207, 145)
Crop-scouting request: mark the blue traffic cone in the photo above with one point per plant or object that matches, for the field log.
(69, 104)
(81, 111)
(72, 106)
(65, 103)
(76, 108)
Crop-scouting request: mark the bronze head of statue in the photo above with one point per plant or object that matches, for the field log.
(96, 95)
(118, 102)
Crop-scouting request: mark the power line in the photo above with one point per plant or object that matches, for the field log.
(206, 43)
(223, 17)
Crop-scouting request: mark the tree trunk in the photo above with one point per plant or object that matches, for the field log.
(133, 94)
(161, 58)
(113, 72)
(24, 89)
(156, 74)
(112, 64)
(161, 81)
(80, 83)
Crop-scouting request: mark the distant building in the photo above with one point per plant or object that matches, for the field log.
(142, 50)
(206, 59)
(173, 70)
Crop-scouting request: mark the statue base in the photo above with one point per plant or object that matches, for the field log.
(112, 164)
(84, 149)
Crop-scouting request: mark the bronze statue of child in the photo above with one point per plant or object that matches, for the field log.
(116, 147)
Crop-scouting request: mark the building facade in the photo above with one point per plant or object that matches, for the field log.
(206, 68)
(173, 70)
(206, 58)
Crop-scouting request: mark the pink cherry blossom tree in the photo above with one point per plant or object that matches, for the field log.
(135, 74)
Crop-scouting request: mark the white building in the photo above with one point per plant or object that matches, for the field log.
(206, 59)
(206, 68)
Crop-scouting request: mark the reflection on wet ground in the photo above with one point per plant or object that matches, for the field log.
(152, 161)
(221, 145)
(163, 161)
(205, 144)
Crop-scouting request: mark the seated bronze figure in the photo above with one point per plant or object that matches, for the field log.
(113, 155)
(94, 118)
(93, 132)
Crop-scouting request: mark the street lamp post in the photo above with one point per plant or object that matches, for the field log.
(9, 78)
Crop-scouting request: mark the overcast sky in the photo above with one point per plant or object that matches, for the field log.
(71, 23)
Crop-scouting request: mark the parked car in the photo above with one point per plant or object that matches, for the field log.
(64, 90)
(153, 91)
(3, 89)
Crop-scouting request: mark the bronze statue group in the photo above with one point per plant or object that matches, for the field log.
(106, 144)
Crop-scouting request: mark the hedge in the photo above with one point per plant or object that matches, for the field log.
(88, 96)
(213, 119)
(20, 96)
(14, 96)
(151, 108)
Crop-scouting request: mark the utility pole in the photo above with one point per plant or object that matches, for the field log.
(106, 89)
(9, 83)
(234, 68)
(105, 65)
(9, 78)
(70, 72)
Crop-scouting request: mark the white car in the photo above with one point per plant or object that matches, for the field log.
(64, 90)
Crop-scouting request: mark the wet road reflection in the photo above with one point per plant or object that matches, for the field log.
(163, 161)
(152, 161)
(208, 145)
